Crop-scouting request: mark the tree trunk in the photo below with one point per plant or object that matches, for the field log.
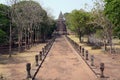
(43, 37)
(79, 35)
(10, 41)
(25, 40)
(88, 39)
(110, 35)
(111, 47)
(105, 46)
(19, 46)
(19, 39)
(80, 38)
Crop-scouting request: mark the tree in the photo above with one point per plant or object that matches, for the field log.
(112, 11)
(3, 37)
(103, 21)
(26, 15)
(31, 22)
(4, 23)
(77, 22)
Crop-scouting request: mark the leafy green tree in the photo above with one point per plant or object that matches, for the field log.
(4, 23)
(3, 37)
(77, 21)
(31, 21)
(102, 21)
(51, 27)
(112, 11)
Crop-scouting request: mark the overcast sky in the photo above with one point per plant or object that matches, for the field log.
(55, 6)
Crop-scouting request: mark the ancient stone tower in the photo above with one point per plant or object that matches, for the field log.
(61, 27)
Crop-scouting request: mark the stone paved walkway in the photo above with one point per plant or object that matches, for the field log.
(64, 63)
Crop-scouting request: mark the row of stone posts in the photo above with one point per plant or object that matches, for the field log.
(39, 59)
(85, 55)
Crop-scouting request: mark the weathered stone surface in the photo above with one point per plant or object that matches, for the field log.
(61, 27)
(64, 63)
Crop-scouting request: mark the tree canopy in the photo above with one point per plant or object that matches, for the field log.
(112, 11)
(25, 22)
(4, 23)
(77, 21)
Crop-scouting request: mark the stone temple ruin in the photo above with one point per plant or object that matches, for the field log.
(61, 27)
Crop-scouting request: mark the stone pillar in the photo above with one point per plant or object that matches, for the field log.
(86, 54)
(45, 48)
(92, 60)
(28, 68)
(77, 47)
(48, 45)
(36, 59)
(82, 51)
(40, 55)
(102, 69)
(43, 51)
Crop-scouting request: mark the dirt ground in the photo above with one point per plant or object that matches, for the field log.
(64, 63)
(15, 68)
(112, 61)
